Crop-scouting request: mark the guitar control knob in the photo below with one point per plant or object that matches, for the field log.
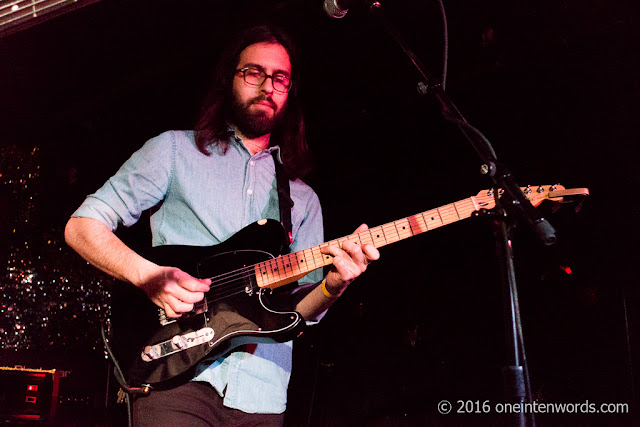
(540, 189)
(527, 190)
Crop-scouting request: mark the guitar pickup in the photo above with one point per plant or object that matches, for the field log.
(198, 308)
(176, 344)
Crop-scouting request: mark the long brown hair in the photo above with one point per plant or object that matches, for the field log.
(212, 125)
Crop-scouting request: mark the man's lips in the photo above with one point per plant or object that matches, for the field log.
(266, 103)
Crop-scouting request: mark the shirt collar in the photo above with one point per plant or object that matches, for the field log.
(238, 140)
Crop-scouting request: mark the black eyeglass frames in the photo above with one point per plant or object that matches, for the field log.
(256, 77)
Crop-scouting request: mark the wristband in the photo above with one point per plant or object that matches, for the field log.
(325, 291)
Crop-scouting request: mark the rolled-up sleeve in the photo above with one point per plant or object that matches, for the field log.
(139, 184)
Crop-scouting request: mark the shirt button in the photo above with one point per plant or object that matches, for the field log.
(249, 191)
(252, 163)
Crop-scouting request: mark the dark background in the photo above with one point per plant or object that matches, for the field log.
(553, 85)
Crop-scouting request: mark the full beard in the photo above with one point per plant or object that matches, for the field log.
(254, 123)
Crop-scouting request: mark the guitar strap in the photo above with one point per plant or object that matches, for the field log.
(284, 198)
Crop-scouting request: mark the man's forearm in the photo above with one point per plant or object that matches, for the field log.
(96, 243)
(314, 303)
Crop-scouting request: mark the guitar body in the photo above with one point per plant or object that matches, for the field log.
(159, 351)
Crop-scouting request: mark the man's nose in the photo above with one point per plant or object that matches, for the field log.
(267, 85)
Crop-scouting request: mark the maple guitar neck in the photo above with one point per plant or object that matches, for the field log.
(20, 14)
(289, 268)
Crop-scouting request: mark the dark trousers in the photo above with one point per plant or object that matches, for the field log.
(194, 404)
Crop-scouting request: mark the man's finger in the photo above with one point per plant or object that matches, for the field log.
(185, 295)
(370, 252)
(354, 251)
(179, 307)
(361, 228)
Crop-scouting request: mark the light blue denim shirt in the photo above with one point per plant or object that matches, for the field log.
(203, 200)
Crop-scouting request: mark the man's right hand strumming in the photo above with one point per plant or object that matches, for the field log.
(168, 287)
(174, 290)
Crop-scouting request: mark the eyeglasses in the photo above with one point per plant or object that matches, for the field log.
(257, 77)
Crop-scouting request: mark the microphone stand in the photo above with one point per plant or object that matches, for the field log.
(511, 206)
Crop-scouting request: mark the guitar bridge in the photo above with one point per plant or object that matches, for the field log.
(198, 308)
(176, 344)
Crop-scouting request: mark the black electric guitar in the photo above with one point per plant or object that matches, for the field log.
(156, 350)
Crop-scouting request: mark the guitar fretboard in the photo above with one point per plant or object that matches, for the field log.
(288, 268)
(23, 13)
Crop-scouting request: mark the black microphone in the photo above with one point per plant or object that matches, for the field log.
(337, 8)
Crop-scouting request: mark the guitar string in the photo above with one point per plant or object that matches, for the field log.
(237, 285)
(235, 280)
(29, 9)
(282, 262)
(241, 273)
(230, 284)
(231, 279)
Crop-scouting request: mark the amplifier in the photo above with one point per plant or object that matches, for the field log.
(28, 394)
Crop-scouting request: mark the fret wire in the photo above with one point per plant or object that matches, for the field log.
(421, 217)
(286, 259)
(356, 239)
(257, 275)
(456, 209)
(436, 220)
(396, 227)
(446, 210)
(268, 276)
(29, 13)
(376, 240)
(460, 209)
(276, 270)
(413, 223)
(366, 237)
(295, 265)
(405, 230)
(388, 229)
(10, 5)
(281, 266)
(319, 256)
(470, 206)
(273, 271)
(309, 256)
(441, 221)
